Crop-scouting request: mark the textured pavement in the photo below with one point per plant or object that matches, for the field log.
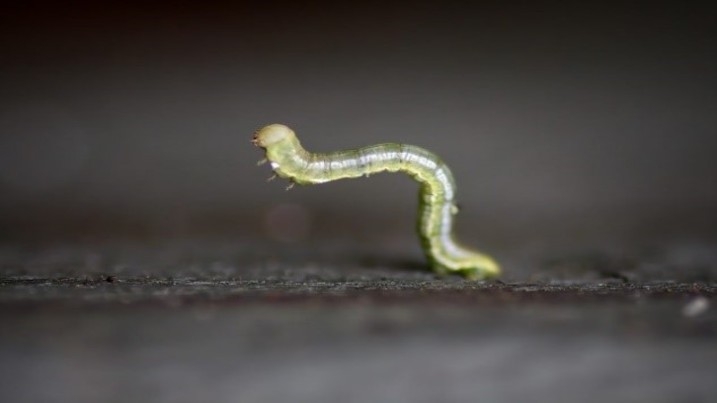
(231, 321)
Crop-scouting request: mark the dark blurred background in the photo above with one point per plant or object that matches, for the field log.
(144, 257)
(133, 119)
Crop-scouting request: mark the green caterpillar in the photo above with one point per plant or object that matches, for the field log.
(436, 199)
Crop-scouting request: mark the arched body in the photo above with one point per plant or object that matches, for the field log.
(436, 197)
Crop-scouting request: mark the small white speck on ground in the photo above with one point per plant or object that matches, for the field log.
(696, 307)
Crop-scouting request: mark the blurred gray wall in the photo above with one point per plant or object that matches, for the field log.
(120, 113)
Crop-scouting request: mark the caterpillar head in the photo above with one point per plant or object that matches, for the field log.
(282, 150)
(272, 134)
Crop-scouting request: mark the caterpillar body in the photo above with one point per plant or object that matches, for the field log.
(436, 197)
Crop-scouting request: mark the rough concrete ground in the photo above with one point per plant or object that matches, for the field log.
(229, 321)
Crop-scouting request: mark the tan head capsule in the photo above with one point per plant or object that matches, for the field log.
(272, 134)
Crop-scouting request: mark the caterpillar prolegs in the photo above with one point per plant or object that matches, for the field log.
(436, 197)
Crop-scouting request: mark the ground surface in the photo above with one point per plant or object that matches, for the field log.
(229, 321)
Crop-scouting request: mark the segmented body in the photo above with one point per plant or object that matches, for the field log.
(436, 196)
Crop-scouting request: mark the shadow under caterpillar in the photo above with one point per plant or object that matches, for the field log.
(436, 197)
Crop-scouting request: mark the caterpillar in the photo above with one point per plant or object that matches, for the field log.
(291, 161)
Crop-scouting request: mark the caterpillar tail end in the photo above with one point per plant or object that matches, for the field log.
(480, 273)
(486, 269)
